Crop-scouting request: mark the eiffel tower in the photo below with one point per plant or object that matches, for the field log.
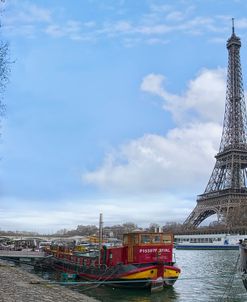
(226, 192)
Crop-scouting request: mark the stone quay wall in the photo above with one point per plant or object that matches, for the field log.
(17, 285)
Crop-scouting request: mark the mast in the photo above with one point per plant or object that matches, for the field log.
(100, 235)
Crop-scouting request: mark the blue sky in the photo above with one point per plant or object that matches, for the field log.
(113, 106)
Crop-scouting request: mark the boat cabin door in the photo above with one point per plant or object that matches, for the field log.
(130, 240)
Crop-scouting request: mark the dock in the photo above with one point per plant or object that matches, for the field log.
(21, 254)
(17, 285)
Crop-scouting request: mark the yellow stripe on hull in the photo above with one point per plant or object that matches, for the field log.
(152, 274)
(171, 273)
(147, 274)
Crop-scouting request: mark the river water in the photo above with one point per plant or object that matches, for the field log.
(206, 276)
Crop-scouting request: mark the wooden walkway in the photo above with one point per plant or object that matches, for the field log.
(21, 254)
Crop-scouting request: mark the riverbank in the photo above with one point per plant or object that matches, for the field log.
(17, 285)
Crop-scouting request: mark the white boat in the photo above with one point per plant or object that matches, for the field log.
(208, 241)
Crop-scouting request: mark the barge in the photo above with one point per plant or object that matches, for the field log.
(144, 260)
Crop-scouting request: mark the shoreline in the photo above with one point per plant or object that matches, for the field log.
(18, 285)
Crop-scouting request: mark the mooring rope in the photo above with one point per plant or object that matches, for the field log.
(100, 282)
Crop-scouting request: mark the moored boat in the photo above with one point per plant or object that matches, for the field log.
(144, 260)
(208, 241)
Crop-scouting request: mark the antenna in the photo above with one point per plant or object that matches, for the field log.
(233, 26)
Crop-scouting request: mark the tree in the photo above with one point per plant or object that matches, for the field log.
(86, 230)
(173, 227)
(61, 232)
(129, 227)
(4, 69)
(154, 227)
(4, 61)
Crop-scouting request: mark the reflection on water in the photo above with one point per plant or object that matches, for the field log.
(206, 276)
(110, 294)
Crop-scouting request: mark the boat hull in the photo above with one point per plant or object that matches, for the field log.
(128, 276)
(207, 247)
(208, 241)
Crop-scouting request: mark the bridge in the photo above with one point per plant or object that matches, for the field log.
(43, 237)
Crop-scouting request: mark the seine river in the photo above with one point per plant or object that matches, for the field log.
(206, 276)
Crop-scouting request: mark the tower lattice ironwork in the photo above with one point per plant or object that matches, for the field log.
(226, 191)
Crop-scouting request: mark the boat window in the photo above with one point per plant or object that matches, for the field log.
(125, 239)
(156, 239)
(145, 238)
(136, 239)
(167, 239)
(216, 239)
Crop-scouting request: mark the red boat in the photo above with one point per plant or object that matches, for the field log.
(144, 260)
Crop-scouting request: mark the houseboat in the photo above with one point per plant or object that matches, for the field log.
(208, 241)
(144, 260)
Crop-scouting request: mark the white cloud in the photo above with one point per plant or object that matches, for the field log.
(23, 18)
(203, 100)
(89, 24)
(154, 29)
(123, 26)
(86, 212)
(54, 30)
(153, 41)
(154, 163)
(160, 8)
(184, 157)
(218, 40)
(242, 23)
(153, 23)
(72, 29)
(35, 13)
(26, 13)
(175, 16)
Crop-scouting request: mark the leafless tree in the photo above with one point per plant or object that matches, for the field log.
(4, 67)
